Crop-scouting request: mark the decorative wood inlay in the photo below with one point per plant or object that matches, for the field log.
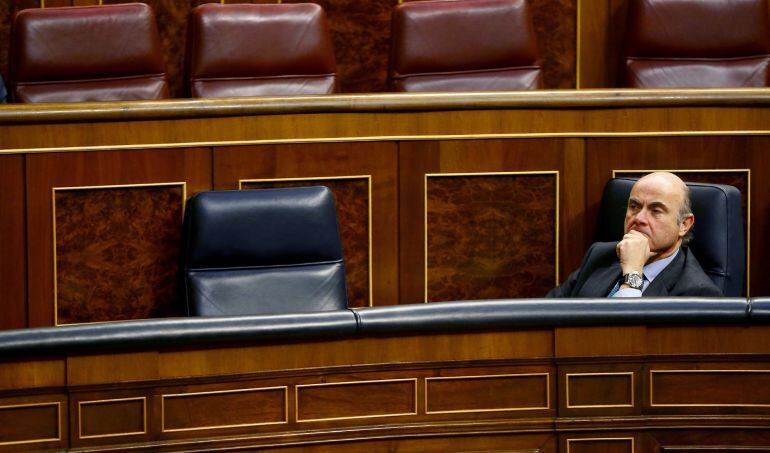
(600, 390)
(116, 251)
(490, 236)
(30, 423)
(710, 388)
(603, 445)
(356, 400)
(512, 392)
(352, 199)
(224, 409)
(112, 418)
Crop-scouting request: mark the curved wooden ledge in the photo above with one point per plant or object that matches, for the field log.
(372, 103)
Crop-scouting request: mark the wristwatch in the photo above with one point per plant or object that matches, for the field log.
(633, 279)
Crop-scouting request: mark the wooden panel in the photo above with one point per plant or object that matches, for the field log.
(112, 367)
(355, 400)
(29, 423)
(13, 306)
(707, 340)
(487, 393)
(224, 409)
(352, 200)
(556, 30)
(416, 159)
(32, 374)
(599, 341)
(112, 418)
(601, 389)
(600, 445)
(125, 264)
(47, 171)
(709, 158)
(331, 164)
(728, 388)
(490, 237)
(699, 441)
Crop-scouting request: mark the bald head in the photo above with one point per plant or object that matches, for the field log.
(659, 208)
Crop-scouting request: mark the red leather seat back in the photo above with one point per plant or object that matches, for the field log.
(463, 45)
(259, 50)
(697, 43)
(87, 53)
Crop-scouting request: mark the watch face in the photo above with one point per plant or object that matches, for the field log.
(634, 280)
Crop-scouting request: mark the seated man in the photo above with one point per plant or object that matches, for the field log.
(652, 259)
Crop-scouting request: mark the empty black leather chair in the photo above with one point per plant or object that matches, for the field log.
(717, 235)
(263, 251)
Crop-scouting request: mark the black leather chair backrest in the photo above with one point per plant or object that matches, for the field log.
(717, 235)
(263, 251)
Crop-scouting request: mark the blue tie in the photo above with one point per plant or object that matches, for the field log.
(615, 289)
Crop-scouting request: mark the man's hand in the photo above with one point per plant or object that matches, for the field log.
(634, 252)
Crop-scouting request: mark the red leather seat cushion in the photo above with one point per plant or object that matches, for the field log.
(91, 53)
(698, 43)
(454, 45)
(253, 50)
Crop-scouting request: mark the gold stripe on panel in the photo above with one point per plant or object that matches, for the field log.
(599, 439)
(492, 376)
(592, 406)
(503, 173)
(368, 179)
(355, 417)
(58, 422)
(53, 221)
(748, 204)
(652, 400)
(258, 389)
(143, 399)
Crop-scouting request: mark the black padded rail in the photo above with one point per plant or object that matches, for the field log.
(528, 313)
(169, 333)
(390, 320)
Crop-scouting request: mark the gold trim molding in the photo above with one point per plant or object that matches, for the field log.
(597, 406)
(652, 398)
(368, 179)
(183, 184)
(57, 404)
(143, 399)
(599, 439)
(220, 392)
(355, 417)
(491, 376)
(472, 174)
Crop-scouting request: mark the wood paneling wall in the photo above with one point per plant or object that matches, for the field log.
(360, 34)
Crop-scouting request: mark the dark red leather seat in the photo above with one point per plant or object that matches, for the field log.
(87, 53)
(463, 45)
(697, 43)
(259, 50)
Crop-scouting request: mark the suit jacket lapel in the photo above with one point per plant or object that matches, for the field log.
(665, 281)
(601, 281)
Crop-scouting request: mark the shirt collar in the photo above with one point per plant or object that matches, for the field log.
(653, 269)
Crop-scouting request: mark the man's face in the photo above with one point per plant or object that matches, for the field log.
(653, 208)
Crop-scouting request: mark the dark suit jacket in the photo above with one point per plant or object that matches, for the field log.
(601, 269)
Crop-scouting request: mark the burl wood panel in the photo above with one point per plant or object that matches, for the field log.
(351, 198)
(707, 158)
(489, 393)
(112, 418)
(586, 390)
(224, 409)
(356, 400)
(28, 423)
(600, 445)
(490, 237)
(710, 388)
(124, 264)
(78, 169)
(332, 165)
(13, 305)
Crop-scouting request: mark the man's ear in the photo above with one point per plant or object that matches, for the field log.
(686, 224)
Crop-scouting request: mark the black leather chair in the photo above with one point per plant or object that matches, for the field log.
(263, 251)
(717, 235)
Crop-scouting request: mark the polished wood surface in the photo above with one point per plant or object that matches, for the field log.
(495, 391)
(394, 141)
